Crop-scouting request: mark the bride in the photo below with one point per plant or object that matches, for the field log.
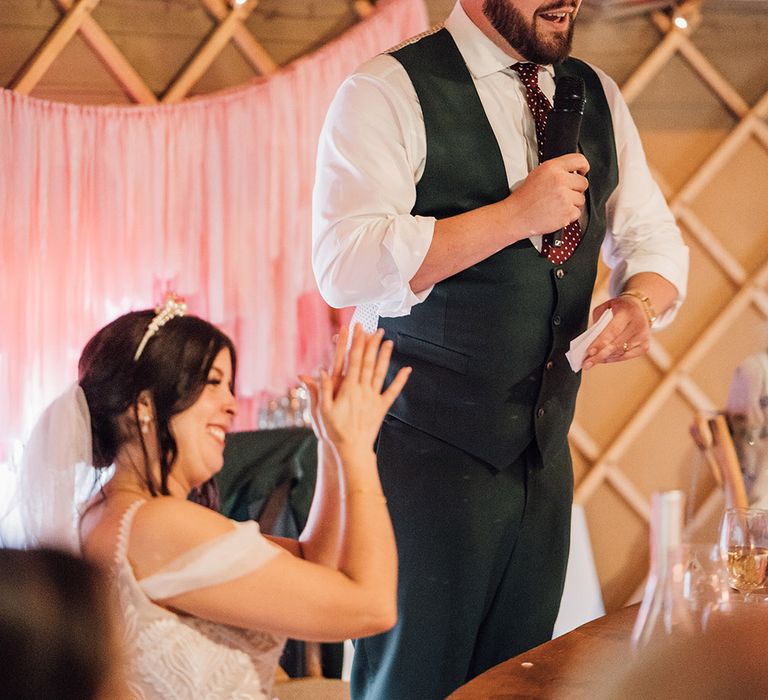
(206, 602)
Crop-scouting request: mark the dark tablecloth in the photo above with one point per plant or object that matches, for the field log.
(269, 476)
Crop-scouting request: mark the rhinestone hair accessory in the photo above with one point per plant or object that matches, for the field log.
(172, 307)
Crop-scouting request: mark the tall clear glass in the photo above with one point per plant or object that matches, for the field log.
(664, 609)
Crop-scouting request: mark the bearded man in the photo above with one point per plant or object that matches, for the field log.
(432, 215)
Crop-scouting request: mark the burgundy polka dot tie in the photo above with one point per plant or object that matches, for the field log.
(540, 108)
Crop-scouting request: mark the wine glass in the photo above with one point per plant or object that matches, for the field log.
(744, 539)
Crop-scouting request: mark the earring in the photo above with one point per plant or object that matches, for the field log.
(145, 421)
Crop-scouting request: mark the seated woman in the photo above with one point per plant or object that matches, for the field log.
(207, 602)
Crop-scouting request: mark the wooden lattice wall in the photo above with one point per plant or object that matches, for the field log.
(214, 26)
(699, 97)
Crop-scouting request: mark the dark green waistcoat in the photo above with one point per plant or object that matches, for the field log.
(487, 345)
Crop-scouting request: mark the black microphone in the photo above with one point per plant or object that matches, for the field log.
(561, 135)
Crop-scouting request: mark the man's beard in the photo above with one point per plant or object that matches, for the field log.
(522, 36)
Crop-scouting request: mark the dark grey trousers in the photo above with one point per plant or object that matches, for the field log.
(482, 557)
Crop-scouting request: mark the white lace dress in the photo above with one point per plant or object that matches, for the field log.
(180, 657)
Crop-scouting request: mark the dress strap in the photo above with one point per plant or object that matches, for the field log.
(121, 552)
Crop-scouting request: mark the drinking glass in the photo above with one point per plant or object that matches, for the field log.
(705, 585)
(744, 540)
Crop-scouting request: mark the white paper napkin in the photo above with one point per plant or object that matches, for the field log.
(581, 343)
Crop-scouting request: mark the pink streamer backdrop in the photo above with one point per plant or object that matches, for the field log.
(103, 208)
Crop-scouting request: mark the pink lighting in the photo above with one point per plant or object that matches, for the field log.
(102, 208)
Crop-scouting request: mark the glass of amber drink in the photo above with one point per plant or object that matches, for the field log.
(744, 540)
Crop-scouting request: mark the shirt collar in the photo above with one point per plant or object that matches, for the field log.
(480, 54)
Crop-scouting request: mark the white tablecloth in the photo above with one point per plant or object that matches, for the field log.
(582, 599)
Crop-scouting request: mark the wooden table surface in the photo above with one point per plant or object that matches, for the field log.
(571, 666)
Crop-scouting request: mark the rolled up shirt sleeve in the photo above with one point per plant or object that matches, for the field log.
(641, 234)
(366, 246)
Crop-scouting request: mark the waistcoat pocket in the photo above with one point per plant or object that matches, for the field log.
(434, 354)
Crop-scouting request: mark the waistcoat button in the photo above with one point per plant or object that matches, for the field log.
(559, 273)
(540, 413)
(556, 320)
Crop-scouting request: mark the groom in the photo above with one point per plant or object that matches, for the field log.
(429, 213)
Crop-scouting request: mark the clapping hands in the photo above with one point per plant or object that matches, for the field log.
(349, 405)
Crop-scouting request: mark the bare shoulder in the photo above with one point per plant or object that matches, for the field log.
(163, 528)
(166, 527)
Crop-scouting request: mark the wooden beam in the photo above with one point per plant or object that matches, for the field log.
(761, 107)
(658, 354)
(710, 244)
(760, 300)
(694, 394)
(629, 492)
(716, 161)
(30, 75)
(756, 116)
(252, 50)
(113, 59)
(634, 427)
(652, 64)
(584, 442)
(207, 53)
(718, 84)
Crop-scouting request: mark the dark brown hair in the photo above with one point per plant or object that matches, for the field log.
(173, 368)
(57, 638)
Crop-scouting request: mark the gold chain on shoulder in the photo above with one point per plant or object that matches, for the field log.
(418, 37)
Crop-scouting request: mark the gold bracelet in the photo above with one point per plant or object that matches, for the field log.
(365, 492)
(650, 312)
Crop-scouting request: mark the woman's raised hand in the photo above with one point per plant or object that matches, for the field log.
(337, 373)
(351, 404)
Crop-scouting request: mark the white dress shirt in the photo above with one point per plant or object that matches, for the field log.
(366, 244)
